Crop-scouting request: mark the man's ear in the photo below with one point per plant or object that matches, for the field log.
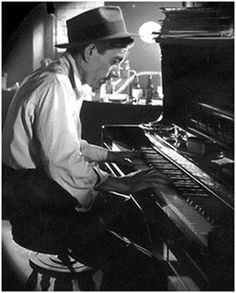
(89, 51)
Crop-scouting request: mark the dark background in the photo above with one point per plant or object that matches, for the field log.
(13, 13)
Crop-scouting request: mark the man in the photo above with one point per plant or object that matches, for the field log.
(55, 190)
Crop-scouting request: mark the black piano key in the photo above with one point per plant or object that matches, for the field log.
(174, 172)
(194, 194)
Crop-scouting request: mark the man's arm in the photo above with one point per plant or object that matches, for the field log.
(56, 130)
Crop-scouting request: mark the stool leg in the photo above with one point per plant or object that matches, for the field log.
(32, 281)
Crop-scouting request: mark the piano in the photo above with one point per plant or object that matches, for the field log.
(189, 227)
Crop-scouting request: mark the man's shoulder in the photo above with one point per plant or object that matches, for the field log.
(57, 67)
(54, 73)
(60, 66)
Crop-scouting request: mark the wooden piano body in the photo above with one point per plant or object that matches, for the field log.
(190, 227)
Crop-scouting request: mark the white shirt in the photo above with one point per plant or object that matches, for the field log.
(43, 129)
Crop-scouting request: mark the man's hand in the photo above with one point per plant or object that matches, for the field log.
(135, 181)
(123, 158)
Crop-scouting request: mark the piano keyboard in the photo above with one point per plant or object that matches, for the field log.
(192, 207)
(196, 197)
(180, 210)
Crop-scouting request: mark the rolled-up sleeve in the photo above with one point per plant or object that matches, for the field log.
(61, 145)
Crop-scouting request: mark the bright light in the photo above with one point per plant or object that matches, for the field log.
(146, 30)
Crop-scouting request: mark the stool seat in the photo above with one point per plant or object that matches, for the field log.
(66, 273)
(56, 264)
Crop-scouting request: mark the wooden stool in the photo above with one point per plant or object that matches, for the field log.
(68, 274)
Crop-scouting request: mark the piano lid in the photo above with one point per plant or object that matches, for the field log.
(198, 70)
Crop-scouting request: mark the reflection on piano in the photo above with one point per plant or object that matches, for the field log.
(191, 226)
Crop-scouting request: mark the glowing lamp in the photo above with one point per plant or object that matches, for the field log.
(146, 30)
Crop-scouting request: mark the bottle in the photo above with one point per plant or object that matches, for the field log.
(125, 76)
(126, 69)
(137, 91)
(149, 90)
(109, 86)
(156, 95)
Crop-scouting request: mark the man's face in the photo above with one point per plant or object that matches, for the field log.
(100, 65)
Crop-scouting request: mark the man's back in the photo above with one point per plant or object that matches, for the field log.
(20, 147)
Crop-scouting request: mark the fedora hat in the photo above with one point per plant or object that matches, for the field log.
(102, 23)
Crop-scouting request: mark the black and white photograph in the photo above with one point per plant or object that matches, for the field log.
(117, 146)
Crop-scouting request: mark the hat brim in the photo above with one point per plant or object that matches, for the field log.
(117, 36)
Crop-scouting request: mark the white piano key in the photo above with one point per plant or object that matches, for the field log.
(186, 213)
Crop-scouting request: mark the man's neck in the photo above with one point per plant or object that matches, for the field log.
(81, 69)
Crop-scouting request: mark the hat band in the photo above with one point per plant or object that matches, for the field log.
(98, 31)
